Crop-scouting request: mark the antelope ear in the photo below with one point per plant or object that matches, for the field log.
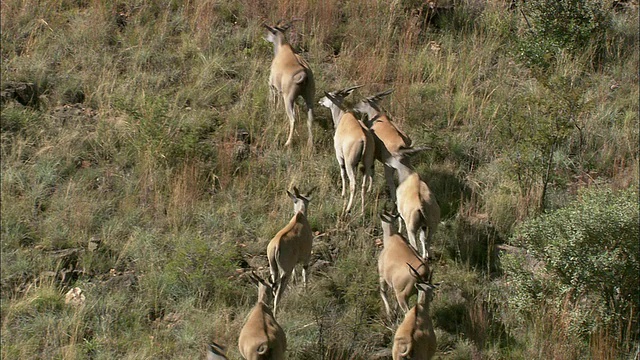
(284, 27)
(379, 96)
(331, 98)
(414, 271)
(216, 349)
(312, 190)
(348, 91)
(308, 194)
(386, 216)
(252, 277)
(259, 279)
(271, 30)
(292, 196)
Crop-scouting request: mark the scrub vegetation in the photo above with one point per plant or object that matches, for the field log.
(143, 163)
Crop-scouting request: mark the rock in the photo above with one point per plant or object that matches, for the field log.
(75, 297)
(124, 280)
(26, 93)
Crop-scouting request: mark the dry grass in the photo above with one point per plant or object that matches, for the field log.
(158, 172)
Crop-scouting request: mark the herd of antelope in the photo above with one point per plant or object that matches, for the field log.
(401, 267)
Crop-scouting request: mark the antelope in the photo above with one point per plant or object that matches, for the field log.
(216, 352)
(418, 208)
(261, 336)
(290, 246)
(415, 338)
(353, 144)
(291, 76)
(392, 145)
(396, 253)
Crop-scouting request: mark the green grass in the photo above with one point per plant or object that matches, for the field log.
(147, 166)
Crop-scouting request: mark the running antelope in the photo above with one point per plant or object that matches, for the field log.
(415, 338)
(215, 352)
(392, 265)
(353, 144)
(392, 145)
(261, 336)
(291, 76)
(290, 246)
(418, 208)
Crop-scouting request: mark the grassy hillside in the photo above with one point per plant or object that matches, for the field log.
(143, 164)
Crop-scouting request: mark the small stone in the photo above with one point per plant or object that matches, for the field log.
(75, 297)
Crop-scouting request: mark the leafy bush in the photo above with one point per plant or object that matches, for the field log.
(148, 169)
(590, 254)
(557, 25)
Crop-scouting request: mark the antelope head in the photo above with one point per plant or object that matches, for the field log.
(334, 102)
(300, 202)
(266, 289)
(388, 220)
(423, 284)
(276, 33)
(370, 106)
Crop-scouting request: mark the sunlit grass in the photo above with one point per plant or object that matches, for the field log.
(151, 200)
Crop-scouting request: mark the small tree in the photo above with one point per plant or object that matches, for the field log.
(555, 26)
(541, 123)
(590, 255)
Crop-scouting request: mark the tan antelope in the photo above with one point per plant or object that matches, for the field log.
(392, 145)
(415, 338)
(290, 246)
(261, 336)
(418, 208)
(353, 144)
(290, 76)
(215, 352)
(392, 265)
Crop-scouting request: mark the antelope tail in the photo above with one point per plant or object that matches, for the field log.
(405, 350)
(300, 77)
(273, 263)
(262, 349)
(361, 155)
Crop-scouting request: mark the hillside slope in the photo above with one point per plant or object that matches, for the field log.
(143, 163)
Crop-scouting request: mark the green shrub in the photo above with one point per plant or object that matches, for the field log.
(590, 254)
(148, 169)
(558, 25)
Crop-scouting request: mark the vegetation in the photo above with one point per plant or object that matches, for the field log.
(143, 164)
